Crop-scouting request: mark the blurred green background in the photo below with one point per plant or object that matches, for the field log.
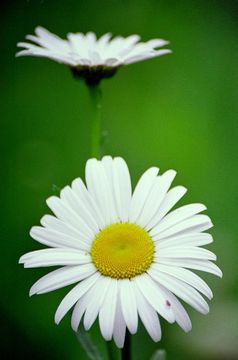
(179, 111)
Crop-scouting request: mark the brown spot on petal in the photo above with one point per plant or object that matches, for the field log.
(168, 303)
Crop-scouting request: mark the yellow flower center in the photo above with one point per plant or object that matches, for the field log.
(122, 250)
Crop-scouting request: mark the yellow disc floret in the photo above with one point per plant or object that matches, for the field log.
(122, 250)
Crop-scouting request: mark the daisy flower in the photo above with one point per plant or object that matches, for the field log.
(91, 58)
(128, 255)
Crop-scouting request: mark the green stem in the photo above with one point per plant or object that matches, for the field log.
(96, 95)
(126, 350)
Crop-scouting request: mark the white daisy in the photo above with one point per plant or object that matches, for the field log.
(128, 256)
(89, 57)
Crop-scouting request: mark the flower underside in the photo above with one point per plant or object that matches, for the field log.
(93, 74)
(122, 250)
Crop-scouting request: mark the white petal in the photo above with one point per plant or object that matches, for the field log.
(54, 257)
(74, 295)
(141, 192)
(51, 222)
(191, 252)
(150, 290)
(107, 163)
(156, 196)
(62, 277)
(108, 310)
(185, 275)
(148, 316)
(128, 304)
(182, 290)
(202, 265)
(170, 199)
(119, 329)
(177, 216)
(58, 239)
(78, 206)
(195, 224)
(97, 296)
(181, 315)
(146, 56)
(185, 240)
(65, 213)
(98, 187)
(79, 310)
(81, 191)
(154, 43)
(122, 187)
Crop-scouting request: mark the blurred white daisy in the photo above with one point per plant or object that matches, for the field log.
(128, 256)
(89, 57)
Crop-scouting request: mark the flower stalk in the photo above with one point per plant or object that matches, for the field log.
(96, 124)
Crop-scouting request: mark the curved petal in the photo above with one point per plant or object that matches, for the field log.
(122, 188)
(54, 257)
(181, 315)
(62, 277)
(95, 301)
(58, 239)
(74, 295)
(141, 192)
(195, 224)
(185, 275)
(148, 316)
(148, 287)
(182, 290)
(156, 196)
(170, 199)
(128, 304)
(108, 310)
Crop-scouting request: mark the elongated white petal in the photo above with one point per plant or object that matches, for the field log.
(148, 316)
(141, 57)
(177, 216)
(195, 224)
(128, 304)
(51, 222)
(185, 240)
(74, 295)
(97, 295)
(79, 310)
(191, 252)
(152, 294)
(58, 239)
(202, 265)
(170, 199)
(155, 197)
(81, 191)
(78, 206)
(141, 192)
(98, 186)
(53, 257)
(66, 214)
(181, 315)
(107, 311)
(122, 188)
(182, 290)
(62, 277)
(185, 275)
(119, 328)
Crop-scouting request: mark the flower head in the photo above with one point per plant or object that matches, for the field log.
(91, 58)
(128, 255)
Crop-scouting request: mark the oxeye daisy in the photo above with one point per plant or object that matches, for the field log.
(128, 254)
(91, 58)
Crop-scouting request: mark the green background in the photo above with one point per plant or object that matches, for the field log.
(178, 111)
